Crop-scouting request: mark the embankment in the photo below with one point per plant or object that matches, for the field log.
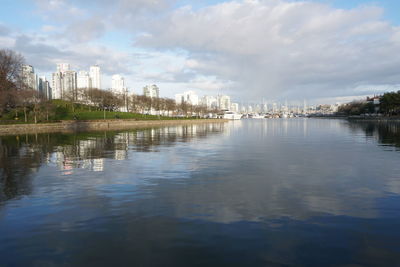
(94, 125)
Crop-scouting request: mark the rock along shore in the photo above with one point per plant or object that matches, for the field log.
(94, 125)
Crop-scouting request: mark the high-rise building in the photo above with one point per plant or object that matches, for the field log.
(210, 102)
(95, 76)
(118, 84)
(188, 97)
(224, 102)
(235, 107)
(179, 99)
(83, 80)
(57, 85)
(62, 67)
(64, 83)
(151, 91)
(29, 77)
(44, 88)
(69, 85)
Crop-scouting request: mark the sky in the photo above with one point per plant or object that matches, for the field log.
(276, 50)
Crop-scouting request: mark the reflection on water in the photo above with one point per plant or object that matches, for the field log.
(297, 192)
(20, 156)
(386, 132)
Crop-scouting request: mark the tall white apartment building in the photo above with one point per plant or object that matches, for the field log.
(83, 80)
(210, 102)
(94, 73)
(188, 97)
(118, 84)
(69, 85)
(29, 77)
(61, 67)
(224, 102)
(179, 99)
(151, 91)
(234, 107)
(64, 82)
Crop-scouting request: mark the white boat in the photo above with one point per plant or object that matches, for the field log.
(257, 116)
(230, 115)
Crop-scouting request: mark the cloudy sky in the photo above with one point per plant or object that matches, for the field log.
(318, 50)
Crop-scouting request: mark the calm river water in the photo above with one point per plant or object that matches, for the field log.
(295, 192)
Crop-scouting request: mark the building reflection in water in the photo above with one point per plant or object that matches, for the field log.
(21, 156)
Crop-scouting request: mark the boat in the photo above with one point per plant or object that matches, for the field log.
(284, 115)
(230, 115)
(257, 116)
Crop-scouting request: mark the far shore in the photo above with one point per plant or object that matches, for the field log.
(95, 125)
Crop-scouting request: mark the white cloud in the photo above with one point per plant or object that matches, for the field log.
(284, 49)
(275, 49)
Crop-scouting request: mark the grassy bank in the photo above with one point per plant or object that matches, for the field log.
(59, 110)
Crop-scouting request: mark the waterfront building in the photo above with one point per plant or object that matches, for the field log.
(29, 77)
(95, 76)
(224, 102)
(151, 91)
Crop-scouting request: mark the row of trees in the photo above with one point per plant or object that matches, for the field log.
(389, 104)
(357, 108)
(16, 96)
(107, 100)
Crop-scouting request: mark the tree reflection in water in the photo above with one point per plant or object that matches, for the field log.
(385, 132)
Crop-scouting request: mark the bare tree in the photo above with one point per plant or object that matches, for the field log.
(10, 78)
(170, 105)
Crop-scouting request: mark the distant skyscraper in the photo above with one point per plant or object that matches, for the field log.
(64, 83)
(95, 76)
(151, 91)
(118, 84)
(189, 97)
(44, 88)
(224, 102)
(179, 99)
(235, 107)
(69, 85)
(61, 67)
(83, 80)
(29, 77)
(210, 102)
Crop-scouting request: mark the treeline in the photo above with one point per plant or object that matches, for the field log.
(389, 105)
(108, 100)
(16, 97)
(357, 108)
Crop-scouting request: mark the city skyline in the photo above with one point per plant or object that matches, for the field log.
(275, 49)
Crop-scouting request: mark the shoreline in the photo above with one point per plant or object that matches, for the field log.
(95, 125)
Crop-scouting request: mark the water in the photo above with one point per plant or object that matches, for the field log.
(296, 192)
